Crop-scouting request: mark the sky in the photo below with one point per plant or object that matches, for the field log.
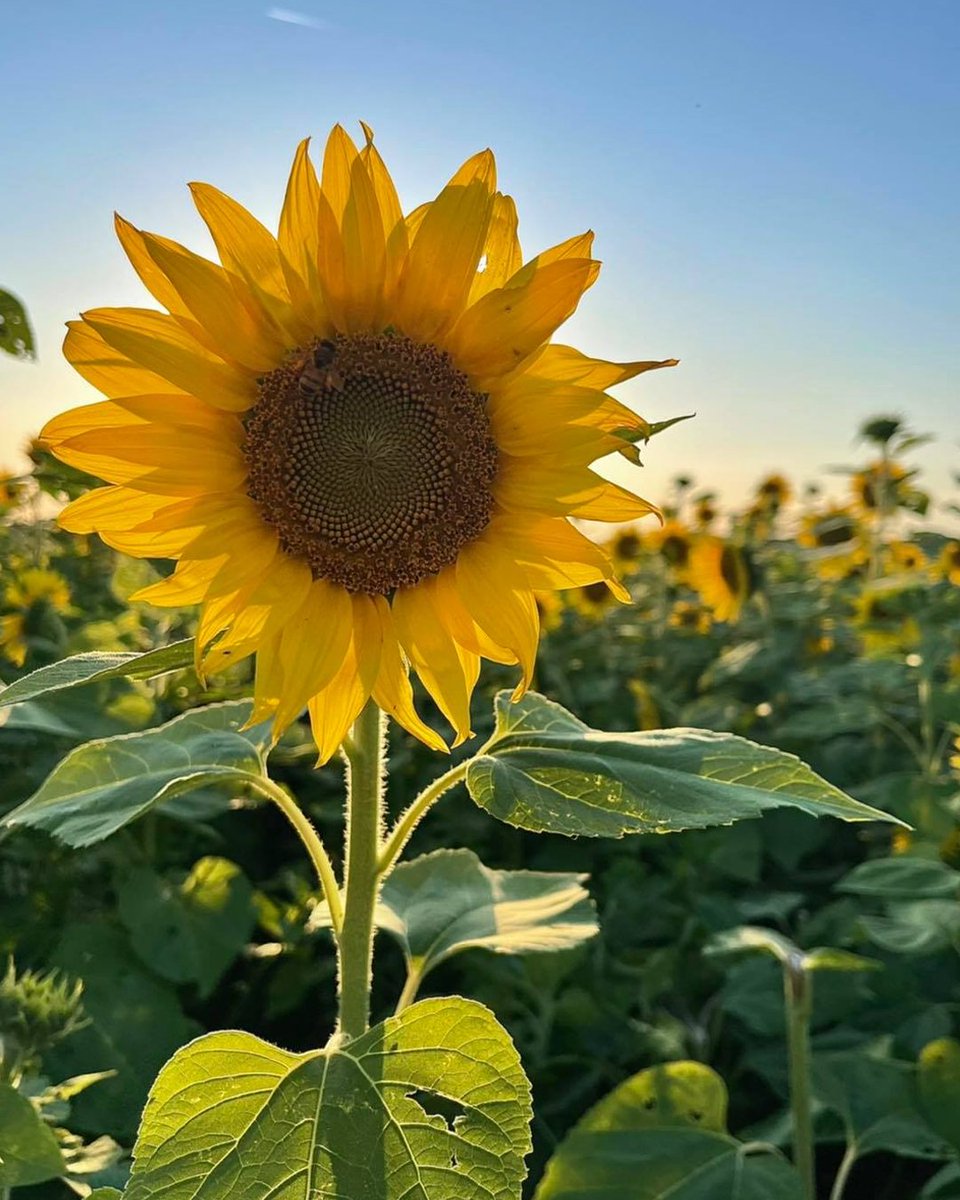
(774, 186)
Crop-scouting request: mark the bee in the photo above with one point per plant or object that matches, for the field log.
(320, 372)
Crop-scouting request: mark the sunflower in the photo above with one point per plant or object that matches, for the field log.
(721, 573)
(705, 510)
(885, 485)
(34, 591)
(693, 618)
(11, 490)
(673, 541)
(774, 491)
(355, 437)
(591, 601)
(834, 526)
(626, 549)
(949, 562)
(905, 556)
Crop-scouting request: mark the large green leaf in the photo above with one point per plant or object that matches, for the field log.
(663, 1134)
(448, 901)
(430, 1105)
(135, 1025)
(192, 931)
(544, 770)
(103, 785)
(96, 666)
(105, 1193)
(28, 1150)
(916, 927)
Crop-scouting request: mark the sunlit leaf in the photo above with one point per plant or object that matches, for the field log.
(96, 666)
(546, 771)
(755, 937)
(449, 901)
(432, 1104)
(101, 786)
(189, 932)
(16, 336)
(28, 1150)
(662, 1134)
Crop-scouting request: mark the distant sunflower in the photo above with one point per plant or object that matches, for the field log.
(34, 590)
(11, 490)
(833, 527)
(949, 562)
(673, 541)
(693, 618)
(626, 549)
(774, 491)
(882, 484)
(591, 601)
(722, 575)
(704, 511)
(355, 437)
(905, 556)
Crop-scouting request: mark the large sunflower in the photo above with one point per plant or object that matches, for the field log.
(355, 437)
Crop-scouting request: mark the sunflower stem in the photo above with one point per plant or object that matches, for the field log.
(365, 752)
(798, 1002)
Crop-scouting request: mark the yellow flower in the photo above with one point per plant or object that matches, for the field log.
(882, 484)
(692, 617)
(11, 490)
(774, 491)
(704, 511)
(673, 540)
(721, 574)
(356, 437)
(626, 548)
(591, 601)
(32, 588)
(833, 527)
(905, 556)
(949, 562)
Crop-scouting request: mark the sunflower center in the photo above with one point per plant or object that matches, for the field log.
(373, 459)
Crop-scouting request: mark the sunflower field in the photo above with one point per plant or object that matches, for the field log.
(683, 920)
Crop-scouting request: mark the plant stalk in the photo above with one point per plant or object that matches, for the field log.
(798, 1000)
(365, 751)
(408, 820)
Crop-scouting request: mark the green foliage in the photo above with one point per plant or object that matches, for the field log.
(431, 1103)
(662, 1134)
(105, 784)
(547, 771)
(16, 336)
(94, 667)
(28, 1149)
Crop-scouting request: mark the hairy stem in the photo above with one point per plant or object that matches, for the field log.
(410, 989)
(311, 842)
(365, 752)
(797, 993)
(408, 820)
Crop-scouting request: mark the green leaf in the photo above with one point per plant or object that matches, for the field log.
(96, 666)
(432, 1104)
(190, 932)
(916, 927)
(448, 901)
(663, 1134)
(903, 878)
(103, 785)
(107, 1193)
(875, 1099)
(546, 771)
(16, 336)
(755, 937)
(938, 1086)
(135, 1025)
(28, 1149)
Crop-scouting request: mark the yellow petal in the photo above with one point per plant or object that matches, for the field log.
(154, 280)
(172, 410)
(337, 706)
(498, 332)
(392, 690)
(339, 155)
(501, 251)
(110, 508)
(564, 364)
(449, 671)
(186, 585)
(497, 597)
(107, 369)
(555, 555)
(214, 301)
(298, 239)
(391, 214)
(248, 249)
(444, 252)
(158, 458)
(160, 343)
(563, 489)
(313, 645)
(459, 623)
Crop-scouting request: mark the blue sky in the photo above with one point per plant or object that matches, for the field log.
(774, 185)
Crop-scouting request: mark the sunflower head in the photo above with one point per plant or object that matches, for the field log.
(834, 526)
(12, 490)
(949, 562)
(724, 576)
(905, 556)
(774, 491)
(705, 510)
(690, 617)
(356, 437)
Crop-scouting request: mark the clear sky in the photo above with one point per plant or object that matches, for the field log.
(774, 185)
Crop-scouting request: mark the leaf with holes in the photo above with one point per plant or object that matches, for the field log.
(95, 666)
(103, 785)
(431, 1104)
(544, 770)
(663, 1134)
